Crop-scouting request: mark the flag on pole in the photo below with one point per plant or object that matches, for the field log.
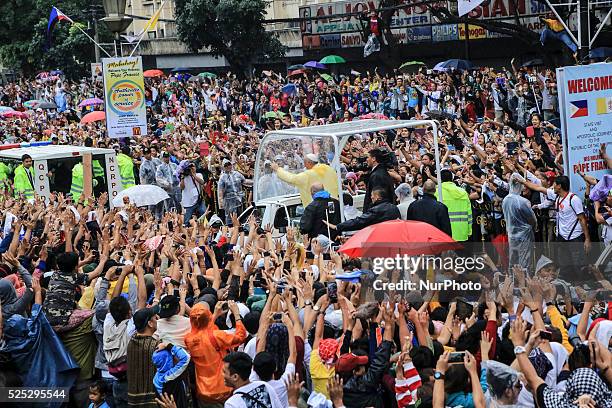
(55, 16)
(152, 23)
(465, 6)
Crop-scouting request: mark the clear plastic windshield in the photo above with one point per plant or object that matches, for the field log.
(288, 152)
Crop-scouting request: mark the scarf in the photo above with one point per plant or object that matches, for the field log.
(327, 350)
(277, 343)
(581, 381)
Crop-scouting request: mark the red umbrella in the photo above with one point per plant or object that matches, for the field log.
(296, 72)
(398, 237)
(94, 116)
(373, 115)
(152, 73)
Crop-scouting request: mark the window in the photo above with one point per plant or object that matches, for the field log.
(161, 33)
(152, 35)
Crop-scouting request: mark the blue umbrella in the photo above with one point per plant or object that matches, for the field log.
(56, 72)
(454, 64)
(314, 65)
(289, 89)
(600, 52)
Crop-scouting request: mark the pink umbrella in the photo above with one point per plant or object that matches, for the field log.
(373, 115)
(95, 116)
(91, 102)
(14, 114)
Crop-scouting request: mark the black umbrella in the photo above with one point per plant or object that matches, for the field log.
(47, 105)
(533, 63)
(438, 115)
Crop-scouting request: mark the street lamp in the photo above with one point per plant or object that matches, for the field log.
(116, 20)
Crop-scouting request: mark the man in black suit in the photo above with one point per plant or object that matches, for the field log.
(379, 178)
(428, 209)
(322, 207)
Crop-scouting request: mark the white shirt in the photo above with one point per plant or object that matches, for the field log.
(173, 329)
(279, 385)
(238, 401)
(569, 207)
(191, 191)
(251, 347)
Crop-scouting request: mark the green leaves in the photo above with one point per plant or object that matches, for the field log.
(230, 28)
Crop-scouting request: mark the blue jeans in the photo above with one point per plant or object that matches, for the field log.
(197, 210)
(563, 36)
(120, 393)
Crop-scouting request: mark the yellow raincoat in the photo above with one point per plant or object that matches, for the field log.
(318, 173)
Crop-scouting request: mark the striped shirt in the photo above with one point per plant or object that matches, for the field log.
(140, 372)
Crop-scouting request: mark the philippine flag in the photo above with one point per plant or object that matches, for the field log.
(579, 109)
(55, 16)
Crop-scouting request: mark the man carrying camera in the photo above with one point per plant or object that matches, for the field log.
(192, 200)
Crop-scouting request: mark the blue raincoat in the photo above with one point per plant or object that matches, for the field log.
(39, 355)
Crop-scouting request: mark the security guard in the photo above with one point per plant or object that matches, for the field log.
(459, 207)
(24, 178)
(126, 167)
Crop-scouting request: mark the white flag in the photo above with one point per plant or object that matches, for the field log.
(465, 6)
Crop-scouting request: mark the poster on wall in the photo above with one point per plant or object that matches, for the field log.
(124, 97)
(585, 104)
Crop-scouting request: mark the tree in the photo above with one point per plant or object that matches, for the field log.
(230, 28)
(23, 37)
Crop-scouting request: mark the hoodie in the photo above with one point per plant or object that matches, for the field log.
(166, 369)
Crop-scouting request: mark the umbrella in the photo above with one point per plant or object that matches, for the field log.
(391, 238)
(207, 75)
(333, 59)
(454, 64)
(41, 75)
(181, 69)
(141, 195)
(411, 66)
(314, 65)
(47, 105)
(289, 89)
(152, 73)
(296, 66)
(327, 77)
(32, 104)
(14, 114)
(373, 115)
(91, 102)
(6, 109)
(56, 72)
(438, 115)
(600, 52)
(195, 79)
(273, 115)
(94, 116)
(533, 63)
(296, 72)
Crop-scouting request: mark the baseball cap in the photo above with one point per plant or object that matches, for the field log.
(142, 317)
(168, 306)
(349, 361)
(165, 154)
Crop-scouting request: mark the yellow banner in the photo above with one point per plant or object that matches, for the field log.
(124, 97)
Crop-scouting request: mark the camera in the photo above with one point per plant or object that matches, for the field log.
(575, 341)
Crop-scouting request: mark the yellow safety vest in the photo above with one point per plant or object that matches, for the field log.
(126, 170)
(76, 189)
(459, 210)
(98, 171)
(22, 183)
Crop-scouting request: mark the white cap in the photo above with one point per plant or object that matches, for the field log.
(312, 157)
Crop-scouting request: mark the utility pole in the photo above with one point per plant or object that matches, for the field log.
(466, 27)
(96, 37)
(583, 29)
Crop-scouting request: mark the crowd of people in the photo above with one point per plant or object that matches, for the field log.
(187, 304)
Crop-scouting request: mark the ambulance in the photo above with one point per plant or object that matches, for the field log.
(52, 166)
